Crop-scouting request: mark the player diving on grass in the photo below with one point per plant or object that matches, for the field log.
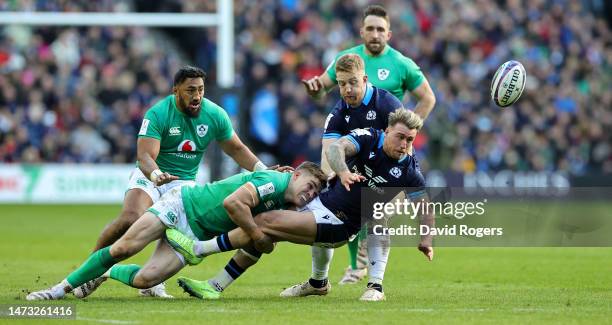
(200, 212)
(172, 140)
(363, 158)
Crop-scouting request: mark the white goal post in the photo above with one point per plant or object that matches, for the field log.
(223, 19)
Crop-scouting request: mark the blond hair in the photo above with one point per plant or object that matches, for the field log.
(406, 117)
(350, 63)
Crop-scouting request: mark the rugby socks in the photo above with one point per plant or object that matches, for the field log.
(229, 274)
(357, 256)
(218, 244)
(124, 273)
(353, 247)
(321, 258)
(96, 264)
(378, 255)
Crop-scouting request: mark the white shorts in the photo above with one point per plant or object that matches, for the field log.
(139, 180)
(171, 212)
(331, 231)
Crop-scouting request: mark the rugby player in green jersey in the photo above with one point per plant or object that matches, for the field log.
(200, 212)
(388, 69)
(173, 137)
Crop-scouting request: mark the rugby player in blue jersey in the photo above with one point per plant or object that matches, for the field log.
(364, 157)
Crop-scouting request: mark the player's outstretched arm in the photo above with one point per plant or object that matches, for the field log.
(336, 157)
(426, 218)
(147, 150)
(238, 206)
(317, 87)
(241, 154)
(425, 99)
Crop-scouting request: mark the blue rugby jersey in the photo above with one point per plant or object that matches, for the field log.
(380, 171)
(373, 112)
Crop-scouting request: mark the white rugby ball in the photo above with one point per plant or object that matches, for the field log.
(508, 83)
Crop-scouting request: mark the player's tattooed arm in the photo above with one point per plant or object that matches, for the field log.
(337, 153)
(336, 156)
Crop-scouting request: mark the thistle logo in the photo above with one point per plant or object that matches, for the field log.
(371, 115)
(395, 172)
(186, 145)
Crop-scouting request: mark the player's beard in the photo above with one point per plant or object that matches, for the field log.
(191, 112)
(375, 47)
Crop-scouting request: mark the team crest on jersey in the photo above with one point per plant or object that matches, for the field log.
(395, 172)
(202, 129)
(371, 115)
(187, 145)
(175, 130)
(383, 74)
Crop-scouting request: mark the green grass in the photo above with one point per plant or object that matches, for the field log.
(39, 245)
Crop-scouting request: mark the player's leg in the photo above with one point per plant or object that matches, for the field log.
(213, 287)
(139, 197)
(281, 225)
(162, 265)
(147, 229)
(135, 203)
(378, 255)
(331, 232)
(358, 259)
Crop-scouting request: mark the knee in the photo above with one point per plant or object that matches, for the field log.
(128, 217)
(122, 250)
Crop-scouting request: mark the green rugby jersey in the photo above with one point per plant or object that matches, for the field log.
(184, 139)
(390, 70)
(204, 203)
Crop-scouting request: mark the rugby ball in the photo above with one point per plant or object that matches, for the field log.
(508, 83)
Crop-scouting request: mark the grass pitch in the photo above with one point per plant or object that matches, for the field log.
(41, 244)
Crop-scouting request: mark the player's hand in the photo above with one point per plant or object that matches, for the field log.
(165, 178)
(427, 250)
(313, 86)
(282, 169)
(347, 179)
(264, 244)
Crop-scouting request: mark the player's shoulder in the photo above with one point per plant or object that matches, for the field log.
(211, 108)
(386, 99)
(163, 105)
(398, 56)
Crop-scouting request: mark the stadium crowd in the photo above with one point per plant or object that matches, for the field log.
(78, 94)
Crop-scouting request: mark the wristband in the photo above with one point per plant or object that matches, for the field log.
(259, 166)
(155, 175)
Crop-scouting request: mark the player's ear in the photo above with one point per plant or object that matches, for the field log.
(389, 34)
(365, 78)
(361, 31)
(174, 89)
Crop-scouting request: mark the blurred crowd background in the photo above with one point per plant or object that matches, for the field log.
(79, 94)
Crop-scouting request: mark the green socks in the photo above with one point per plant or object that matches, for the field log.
(97, 263)
(124, 273)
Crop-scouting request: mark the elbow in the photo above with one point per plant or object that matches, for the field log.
(229, 205)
